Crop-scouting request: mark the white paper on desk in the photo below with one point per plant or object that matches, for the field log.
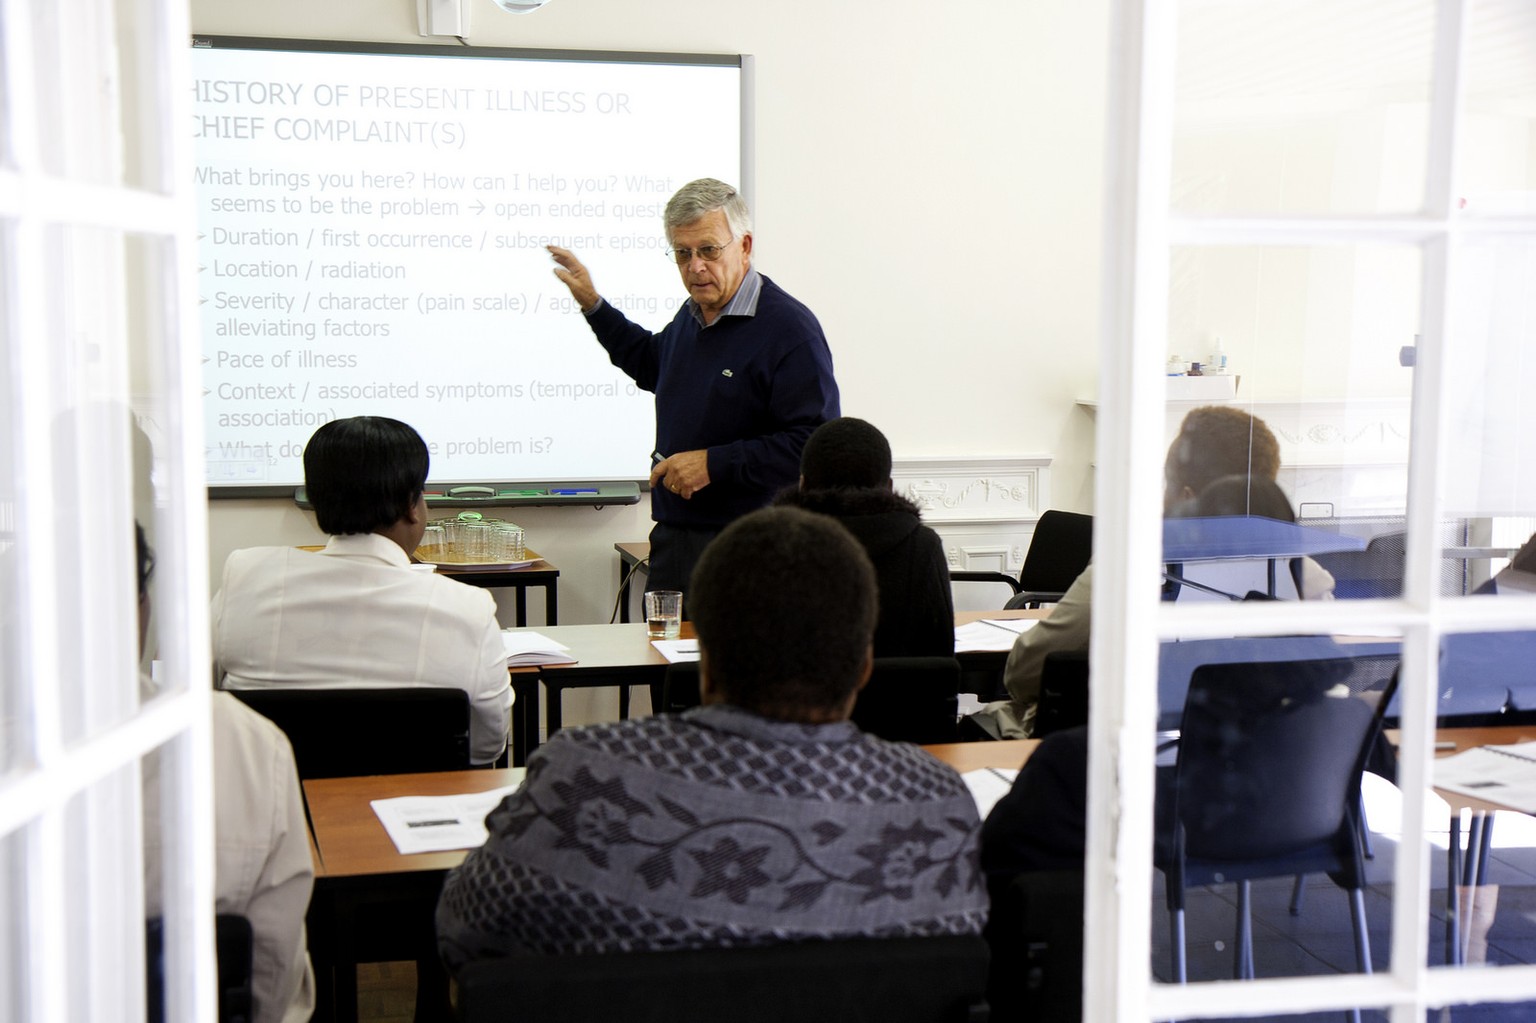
(525, 647)
(981, 636)
(1013, 625)
(675, 650)
(987, 786)
(418, 824)
(1492, 773)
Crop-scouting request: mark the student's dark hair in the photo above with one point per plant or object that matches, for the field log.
(1244, 495)
(846, 452)
(1219, 440)
(784, 602)
(146, 558)
(364, 473)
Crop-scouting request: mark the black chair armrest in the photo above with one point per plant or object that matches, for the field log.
(1031, 598)
(985, 577)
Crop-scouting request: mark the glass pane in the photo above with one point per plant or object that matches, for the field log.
(78, 93)
(164, 897)
(1497, 170)
(151, 322)
(1483, 894)
(103, 897)
(14, 915)
(91, 574)
(1269, 751)
(1310, 107)
(1489, 474)
(1299, 411)
(13, 631)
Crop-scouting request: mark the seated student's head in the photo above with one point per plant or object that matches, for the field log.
(1216, 441)
(845, 452)
(784, 603)
(1242, 495)
(365, 474)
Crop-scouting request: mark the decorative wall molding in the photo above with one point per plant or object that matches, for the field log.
(1320, 432)
(976, 490)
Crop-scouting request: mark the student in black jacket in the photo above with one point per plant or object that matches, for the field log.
(845, 472)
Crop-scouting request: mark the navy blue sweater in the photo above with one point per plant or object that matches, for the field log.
(749, 389)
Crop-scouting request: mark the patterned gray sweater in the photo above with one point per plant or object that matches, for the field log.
(717, 827)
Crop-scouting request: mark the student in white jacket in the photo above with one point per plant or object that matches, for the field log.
(360, 613)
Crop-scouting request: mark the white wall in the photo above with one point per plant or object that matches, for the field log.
(927, 181)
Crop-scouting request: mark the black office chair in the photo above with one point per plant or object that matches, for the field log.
(233, 944)
(1267, 784)
(911, 699)
(908, 699)
(895, 980)
(1376, 571)
(1035, 931)
(340, 732)
(1059, 550)
(1063, 692)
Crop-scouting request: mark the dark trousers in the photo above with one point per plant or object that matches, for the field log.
(674, 552)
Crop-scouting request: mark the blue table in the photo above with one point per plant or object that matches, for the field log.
(1241, 537)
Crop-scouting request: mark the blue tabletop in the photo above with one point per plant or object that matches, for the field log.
(1248, 536)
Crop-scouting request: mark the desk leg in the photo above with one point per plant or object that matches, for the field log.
(552, 710)
(551, 611)
(522, 606)
(1453, 891)
(525, 716)
(623, 591)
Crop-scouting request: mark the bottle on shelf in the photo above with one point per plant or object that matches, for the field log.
(1216, 364)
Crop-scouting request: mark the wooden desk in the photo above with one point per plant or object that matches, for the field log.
(541, 573)
(621, 655)
(360, 872)
(352, 842)
(1469, 870)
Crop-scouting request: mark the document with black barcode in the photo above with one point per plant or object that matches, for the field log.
(418, 824)
(1505, 775)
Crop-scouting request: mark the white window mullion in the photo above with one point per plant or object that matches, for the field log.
(1412, 885)
(1133, 307)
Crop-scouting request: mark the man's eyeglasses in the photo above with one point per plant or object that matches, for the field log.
(708, 253)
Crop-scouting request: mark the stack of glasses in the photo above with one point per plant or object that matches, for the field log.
(471, 539)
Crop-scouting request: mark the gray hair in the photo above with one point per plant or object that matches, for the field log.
(700, 198)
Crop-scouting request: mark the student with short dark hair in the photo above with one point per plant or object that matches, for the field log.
(360, 614)
(762, 816)
(845, 472)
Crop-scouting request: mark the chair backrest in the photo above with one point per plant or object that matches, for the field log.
(1376, 571)
(1036, 935)
(1177, 661)
(908, 699)
(880, 980)
(1063, 692)
(680, 690)
(233, 945)
(341, 732)
(1059, 550)
(1270, 754)
(911, 699)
